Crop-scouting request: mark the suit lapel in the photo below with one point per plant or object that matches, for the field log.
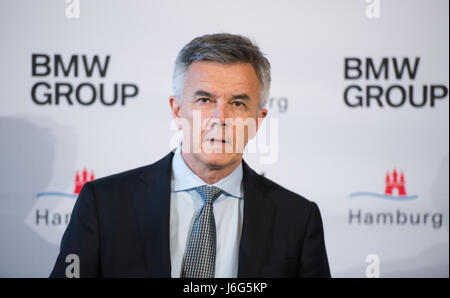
(152, 204)
(256, 228)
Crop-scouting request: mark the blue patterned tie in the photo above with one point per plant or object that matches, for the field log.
(200, 259)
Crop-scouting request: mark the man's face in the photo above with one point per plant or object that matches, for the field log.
(223, 95)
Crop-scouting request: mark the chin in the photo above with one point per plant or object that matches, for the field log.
(219, 159)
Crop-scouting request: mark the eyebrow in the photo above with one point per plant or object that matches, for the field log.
(203, 93)
(243, 96)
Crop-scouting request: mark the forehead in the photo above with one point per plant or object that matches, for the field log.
(232, 77)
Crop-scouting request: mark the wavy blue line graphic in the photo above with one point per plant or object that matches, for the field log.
(383, 196)
(56, 194)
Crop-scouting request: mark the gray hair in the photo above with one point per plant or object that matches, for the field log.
(223, 48)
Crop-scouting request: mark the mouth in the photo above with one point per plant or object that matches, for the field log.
(213, 140)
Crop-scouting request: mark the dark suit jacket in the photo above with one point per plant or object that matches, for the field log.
(120, 228)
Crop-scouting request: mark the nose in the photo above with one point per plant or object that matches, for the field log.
(220, 113)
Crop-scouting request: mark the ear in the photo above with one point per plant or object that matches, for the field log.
(262, 113)
(175, 108)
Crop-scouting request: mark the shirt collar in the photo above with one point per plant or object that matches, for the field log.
(185, 179)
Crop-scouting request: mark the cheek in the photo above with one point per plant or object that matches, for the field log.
(206, 122)
(188, 114)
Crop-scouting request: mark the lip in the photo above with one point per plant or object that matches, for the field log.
(217, 141)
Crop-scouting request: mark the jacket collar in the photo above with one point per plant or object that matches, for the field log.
(185, 179)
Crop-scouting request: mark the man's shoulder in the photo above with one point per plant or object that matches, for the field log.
(123, 176)
(276, 189)
(129, 177)
(280, 195)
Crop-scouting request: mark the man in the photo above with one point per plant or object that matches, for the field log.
(200, 211)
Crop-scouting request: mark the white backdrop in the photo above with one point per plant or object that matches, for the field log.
(327, 151)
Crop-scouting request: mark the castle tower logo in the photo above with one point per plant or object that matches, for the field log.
(80, 182)
(395, 188)
(393, 184)
(51, 213)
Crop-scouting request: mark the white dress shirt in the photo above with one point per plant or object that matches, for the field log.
(185, 203)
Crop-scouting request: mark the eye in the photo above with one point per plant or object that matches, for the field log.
(204, 100)
(238, 104)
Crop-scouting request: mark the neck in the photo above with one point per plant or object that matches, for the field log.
(209, 173)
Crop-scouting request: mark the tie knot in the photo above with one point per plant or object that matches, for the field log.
(209, 193)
